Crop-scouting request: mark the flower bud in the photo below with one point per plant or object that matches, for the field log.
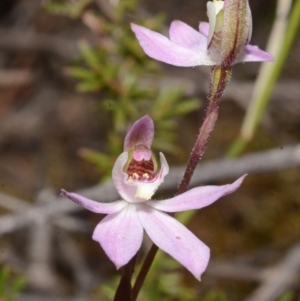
(230, 29)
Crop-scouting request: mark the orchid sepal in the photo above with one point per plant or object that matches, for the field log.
(141, 133)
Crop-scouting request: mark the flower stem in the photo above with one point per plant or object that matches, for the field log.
(124, 290)
(220, 77)
(144, 271)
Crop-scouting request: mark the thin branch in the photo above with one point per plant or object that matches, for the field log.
(55, 209)
(40, 273)
(28, 40)
(12, 78)
(280, 278)
(236, 271)
(13, 203)
(67, 223)
(72, 224)
(75, 259)
(261, 162)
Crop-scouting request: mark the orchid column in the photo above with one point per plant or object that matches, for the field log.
(221, 43)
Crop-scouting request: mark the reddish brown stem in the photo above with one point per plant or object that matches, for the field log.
(219, 79)
(144, 271)
(124, 290)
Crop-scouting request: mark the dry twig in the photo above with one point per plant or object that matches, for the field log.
(40, 273)
(235, 271)
(279, 278)
(67, 223)
(28, 40)
(11, 78)
(210, 171)
(75, 259)
(266, 161)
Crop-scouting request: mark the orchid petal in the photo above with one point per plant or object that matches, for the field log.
(252, 53)
(141, 133)
(196, 198)
(97, 207)
(162, 49)
(186, 36)
(204, 28)
(176, 240)
(120, 235)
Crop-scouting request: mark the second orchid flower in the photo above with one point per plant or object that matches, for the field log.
(223, 41)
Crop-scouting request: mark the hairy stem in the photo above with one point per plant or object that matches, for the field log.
(219, 80)
(220, 77)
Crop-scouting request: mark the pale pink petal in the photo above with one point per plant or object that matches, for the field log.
(176, 240)
(162, 49)
(141, 133)
(196, 198)
(120, 235)
(204, 29)
(186, 36)
(252, 53)
(97, 207)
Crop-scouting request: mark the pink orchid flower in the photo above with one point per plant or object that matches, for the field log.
(136, 178)
(223, 41)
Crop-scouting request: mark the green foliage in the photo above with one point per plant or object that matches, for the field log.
(115, 71)
(9, 286)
